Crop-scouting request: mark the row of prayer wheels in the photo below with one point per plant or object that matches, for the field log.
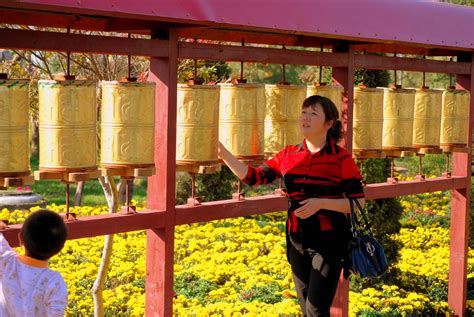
(255, 120)
(68, 129)
(406, 119)
(251, 120)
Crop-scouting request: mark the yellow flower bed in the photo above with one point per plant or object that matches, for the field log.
(392, 301)
(238, 267)
(436, 203)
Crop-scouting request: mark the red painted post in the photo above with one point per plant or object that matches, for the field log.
(344, 76)
(161, 187)
(460, 206)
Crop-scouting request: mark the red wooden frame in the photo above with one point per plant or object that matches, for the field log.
(162, 215)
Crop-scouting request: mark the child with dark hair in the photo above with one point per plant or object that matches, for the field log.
(27, 286)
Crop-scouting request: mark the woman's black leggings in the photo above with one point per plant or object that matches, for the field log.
(316, 278)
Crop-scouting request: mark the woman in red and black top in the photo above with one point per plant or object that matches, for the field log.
(319, 177)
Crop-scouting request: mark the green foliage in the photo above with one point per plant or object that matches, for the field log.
(183, 188)
(470, 288)
(371, 313)
(384, 214)
(209, 187)
(438, 292)
(251, 191)
(273, 73)
(372, 78)
(461, 2)
(412, 219)
(207, 71)
(193, 287)
(415, 79)
(217, 186)
(375, 170)
(433, 164)
(269, 294)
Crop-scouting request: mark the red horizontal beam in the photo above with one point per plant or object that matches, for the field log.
(92, 226)
(99, 225)
(80, 43)
(301, 57)
(230, 209)
(254, 37)
(404, 49)
(58, 20)
(54, 41)
(410, 64)
(263, 204)
(78, 22)
(260, 55)
(386, 190)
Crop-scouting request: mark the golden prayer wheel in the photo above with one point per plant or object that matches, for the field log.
(332, 92)
(368, 119)
(127, 124)
(197, 134)
(454, 117)
(67, 125)
(241, 115)
(275, 136)
(398, 107)
(427, 118)
(282, 113)
(14, 146)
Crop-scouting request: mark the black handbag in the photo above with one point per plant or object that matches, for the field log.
(366, 253)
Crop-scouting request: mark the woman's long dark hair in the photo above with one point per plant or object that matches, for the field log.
(335, 133)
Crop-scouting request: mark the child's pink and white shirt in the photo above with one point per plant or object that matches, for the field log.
(28, 287)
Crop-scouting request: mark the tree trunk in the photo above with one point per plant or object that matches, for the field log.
(112, 197)
(34, 146)
(78, 195)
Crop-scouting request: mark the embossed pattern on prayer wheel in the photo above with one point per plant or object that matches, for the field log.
(241, 115)
(14, 147)
(368, 119)
(197, 133)
(427, 118)
(275, 136)
(454, 117)
(67, 125)
(295, 99)
(127, 124)
(282, 111)
(398, 107)
(332, 92)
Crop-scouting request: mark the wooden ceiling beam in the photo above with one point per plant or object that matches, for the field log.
(80, 43)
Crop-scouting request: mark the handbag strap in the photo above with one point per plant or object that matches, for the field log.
(356, 225)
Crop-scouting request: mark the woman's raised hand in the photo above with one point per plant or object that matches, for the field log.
(237, 167)
(222, 152)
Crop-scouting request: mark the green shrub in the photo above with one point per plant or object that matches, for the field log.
(193, 287)
(269, 294)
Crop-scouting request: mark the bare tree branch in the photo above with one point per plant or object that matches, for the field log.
(82, 65)
(60, 60)
(28, 60)
(94, 64)
(46, 63)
